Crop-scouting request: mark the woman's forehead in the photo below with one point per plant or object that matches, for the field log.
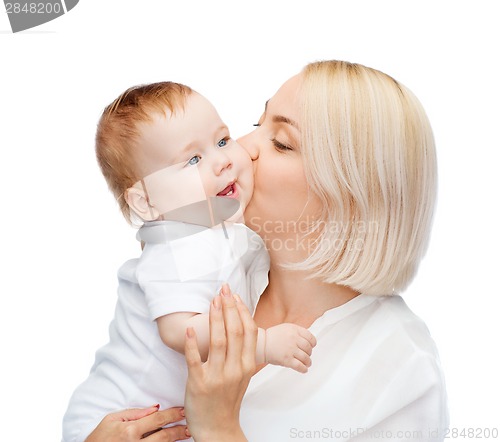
(285, 101)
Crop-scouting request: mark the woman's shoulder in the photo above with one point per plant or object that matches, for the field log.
(396, 325)
(397, 350)
(404, 359)
(378, 322)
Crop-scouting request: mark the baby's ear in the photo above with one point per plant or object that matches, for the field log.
(138, 203)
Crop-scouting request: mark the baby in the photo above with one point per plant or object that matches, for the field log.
(172, 165)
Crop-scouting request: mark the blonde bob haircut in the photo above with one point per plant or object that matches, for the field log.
(369, 155)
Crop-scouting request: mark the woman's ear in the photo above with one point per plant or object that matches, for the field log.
(138, 203)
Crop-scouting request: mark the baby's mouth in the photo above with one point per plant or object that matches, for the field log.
(228, 191)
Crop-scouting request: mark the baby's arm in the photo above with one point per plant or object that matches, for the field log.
(288, 345)
(172, 328)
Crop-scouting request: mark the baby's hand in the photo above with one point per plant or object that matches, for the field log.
(289, 345)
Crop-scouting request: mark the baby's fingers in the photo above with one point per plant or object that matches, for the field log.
(303, 358)
(304, 345)
(306, 334)
(298, 365)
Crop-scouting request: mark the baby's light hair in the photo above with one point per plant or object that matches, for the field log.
(117, 132)
(369, 156)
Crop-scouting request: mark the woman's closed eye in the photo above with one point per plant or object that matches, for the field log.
(280, 146)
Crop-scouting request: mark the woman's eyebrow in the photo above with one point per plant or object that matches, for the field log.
(282, 119)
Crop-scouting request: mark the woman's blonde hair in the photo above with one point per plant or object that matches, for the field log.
(369, 155)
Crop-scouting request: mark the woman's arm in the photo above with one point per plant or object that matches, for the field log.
(215, 388)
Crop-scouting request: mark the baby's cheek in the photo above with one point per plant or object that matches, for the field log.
(209, 185)
(249, 180)
(248, 168)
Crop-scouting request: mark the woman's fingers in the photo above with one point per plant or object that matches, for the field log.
(132, 414)
(192, 353)
(249, 336)
(159, 419)
(171, 434)
(233, 326)
(217, 349)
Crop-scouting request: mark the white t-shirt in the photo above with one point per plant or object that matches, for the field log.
(375, 368)
(181, 269)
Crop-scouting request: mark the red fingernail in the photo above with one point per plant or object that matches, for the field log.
(157, 406)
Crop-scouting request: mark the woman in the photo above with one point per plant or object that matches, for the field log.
(345, 179)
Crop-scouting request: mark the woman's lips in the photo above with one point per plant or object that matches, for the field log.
(230, 191)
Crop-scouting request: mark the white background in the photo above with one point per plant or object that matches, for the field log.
(63, 237)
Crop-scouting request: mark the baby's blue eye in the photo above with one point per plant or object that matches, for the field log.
(195, 160)
(223, 142)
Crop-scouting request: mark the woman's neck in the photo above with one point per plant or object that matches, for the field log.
(291, 297)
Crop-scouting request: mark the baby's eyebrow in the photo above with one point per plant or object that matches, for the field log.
(222, 127)
(179, 156)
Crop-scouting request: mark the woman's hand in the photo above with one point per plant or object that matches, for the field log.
(140, 424)
(215, 388)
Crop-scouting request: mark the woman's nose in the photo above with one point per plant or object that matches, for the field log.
(249, 143)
